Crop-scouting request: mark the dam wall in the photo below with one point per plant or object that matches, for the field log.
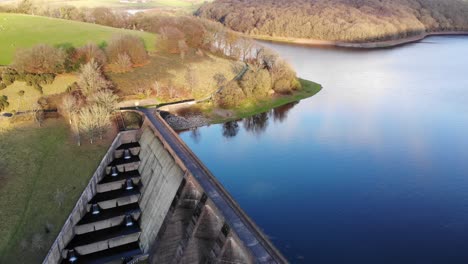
(81, 208)
(245, 238)
(152, 199)
(161, 177)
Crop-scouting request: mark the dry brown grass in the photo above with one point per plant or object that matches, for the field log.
(169, 68)
(31, 95)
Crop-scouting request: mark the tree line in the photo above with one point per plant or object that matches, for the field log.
(339, 20)
(179, 34)
(267, 73)
(39, 64)
(89, 102)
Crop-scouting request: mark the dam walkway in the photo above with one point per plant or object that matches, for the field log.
(245, 228)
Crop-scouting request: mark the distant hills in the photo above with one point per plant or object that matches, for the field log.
(339, 20)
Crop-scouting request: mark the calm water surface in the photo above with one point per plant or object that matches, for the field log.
(373, 169)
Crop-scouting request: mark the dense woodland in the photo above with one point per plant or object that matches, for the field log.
(339, 20)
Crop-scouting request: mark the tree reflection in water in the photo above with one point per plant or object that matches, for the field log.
(230, 129)
(195, 135)
(281, 113)
(256, 124)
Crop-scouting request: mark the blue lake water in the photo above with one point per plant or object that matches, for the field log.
(373, 169)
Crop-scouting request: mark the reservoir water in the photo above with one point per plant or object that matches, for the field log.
(373, 169)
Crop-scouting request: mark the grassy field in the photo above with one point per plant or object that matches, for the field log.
(21, 31)
(117, 3)
(31, 95)
(42, 174)
(164, 67)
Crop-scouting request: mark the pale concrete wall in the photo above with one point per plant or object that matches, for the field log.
(105, 187)
(114, 221)
(161, 177)
(162, 172)
(81, 207)
(175, 107)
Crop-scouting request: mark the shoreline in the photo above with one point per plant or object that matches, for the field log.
(364, 45)
(309, 89)
(211, 115)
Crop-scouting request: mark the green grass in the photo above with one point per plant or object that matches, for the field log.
(35, 165)
(308, 89)
(22, 31)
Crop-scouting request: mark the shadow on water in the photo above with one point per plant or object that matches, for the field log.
(230, 129)
(195, 135)
(280, 113)
(255, 124)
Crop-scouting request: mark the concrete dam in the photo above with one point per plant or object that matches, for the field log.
(151, 200)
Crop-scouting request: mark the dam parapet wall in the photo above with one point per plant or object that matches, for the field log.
(151, 196)
(67, 232)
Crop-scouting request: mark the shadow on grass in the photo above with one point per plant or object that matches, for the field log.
(45, 173)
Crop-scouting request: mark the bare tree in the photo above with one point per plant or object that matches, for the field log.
(106, 99)
(94, 121)
(41, 58)
(257, 54)
(171, 89)
(231, 44)
(69, 107)
(246, 46)
(38, 113)
(122, 64)
(25, 6)
(191, 78)
(92, 79)
(127, 44)
(157, 88)
(91, 51)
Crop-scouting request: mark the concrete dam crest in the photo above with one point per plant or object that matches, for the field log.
(151, 200)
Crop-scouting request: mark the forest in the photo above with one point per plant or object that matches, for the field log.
(339, 20)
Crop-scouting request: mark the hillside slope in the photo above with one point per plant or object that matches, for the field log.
(339, 20)
(21, 31)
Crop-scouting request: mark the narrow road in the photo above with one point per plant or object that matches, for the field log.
(261, 248)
